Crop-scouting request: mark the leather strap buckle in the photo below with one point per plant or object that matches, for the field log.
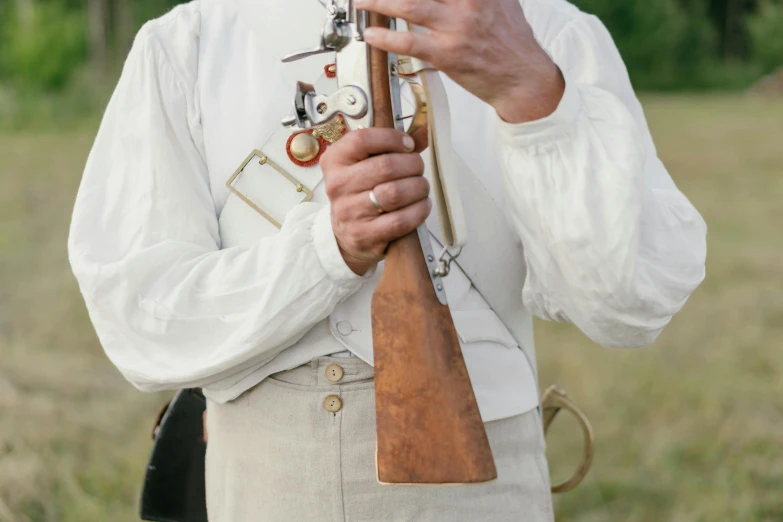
(259, 163)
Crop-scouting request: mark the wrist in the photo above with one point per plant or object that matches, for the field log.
(533, 98)
(328, 251)
(358, 266)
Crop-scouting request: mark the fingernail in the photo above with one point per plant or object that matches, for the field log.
(408, 143)
(369, 32)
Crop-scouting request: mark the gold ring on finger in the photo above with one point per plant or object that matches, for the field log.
(375, 203)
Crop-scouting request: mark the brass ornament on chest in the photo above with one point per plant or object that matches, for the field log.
(331, 131)
(304, 147)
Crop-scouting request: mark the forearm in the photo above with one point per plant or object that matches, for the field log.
(534, 96)
(603, 250)
(175, 314)
(626, 298)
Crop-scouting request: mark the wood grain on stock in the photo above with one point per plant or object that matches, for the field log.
(428, 422)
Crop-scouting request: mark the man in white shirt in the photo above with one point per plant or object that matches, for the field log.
(543, 114)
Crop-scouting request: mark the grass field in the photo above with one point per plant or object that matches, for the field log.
(688, 430)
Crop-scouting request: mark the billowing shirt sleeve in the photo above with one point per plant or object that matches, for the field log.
(611, 244)
(170, 307)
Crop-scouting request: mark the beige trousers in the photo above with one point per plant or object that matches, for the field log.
(278, 454)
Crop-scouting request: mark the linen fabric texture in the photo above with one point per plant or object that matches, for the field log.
(276, 454)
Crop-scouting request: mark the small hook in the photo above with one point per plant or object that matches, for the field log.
(445, 264)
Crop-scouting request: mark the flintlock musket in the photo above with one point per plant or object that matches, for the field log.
(429, 430)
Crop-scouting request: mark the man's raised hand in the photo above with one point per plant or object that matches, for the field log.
(486, 46)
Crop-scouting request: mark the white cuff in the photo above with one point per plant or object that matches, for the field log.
(557, 123)
(329, 253)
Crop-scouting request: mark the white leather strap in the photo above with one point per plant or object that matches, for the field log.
(442, 157)
(490, 231)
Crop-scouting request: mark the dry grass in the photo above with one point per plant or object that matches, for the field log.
(73, 433)
(689, 430)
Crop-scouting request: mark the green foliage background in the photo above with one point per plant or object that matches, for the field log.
(43, 56)
(667, 44)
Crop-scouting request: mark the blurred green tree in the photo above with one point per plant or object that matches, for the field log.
(647, 33)
(766, 31)
(42, 43)
(675, 44)
(667, 44)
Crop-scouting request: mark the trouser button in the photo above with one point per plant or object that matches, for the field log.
(334, 372)
(333, 403)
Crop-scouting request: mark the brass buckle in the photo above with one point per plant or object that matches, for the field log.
(553, 400)
(263, 159)
(419, 116)
(420, 113)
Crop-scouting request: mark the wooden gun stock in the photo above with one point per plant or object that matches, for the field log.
(428, 423)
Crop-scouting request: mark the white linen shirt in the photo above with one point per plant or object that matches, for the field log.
(610, 243)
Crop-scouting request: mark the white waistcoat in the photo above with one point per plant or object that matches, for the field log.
(498, 345)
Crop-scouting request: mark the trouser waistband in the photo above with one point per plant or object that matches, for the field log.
(327, 371)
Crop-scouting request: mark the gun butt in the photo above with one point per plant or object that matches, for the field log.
(428, 422)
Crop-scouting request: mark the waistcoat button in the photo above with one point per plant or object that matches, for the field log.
(334, 372)
(344, 328)
(333, 403)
